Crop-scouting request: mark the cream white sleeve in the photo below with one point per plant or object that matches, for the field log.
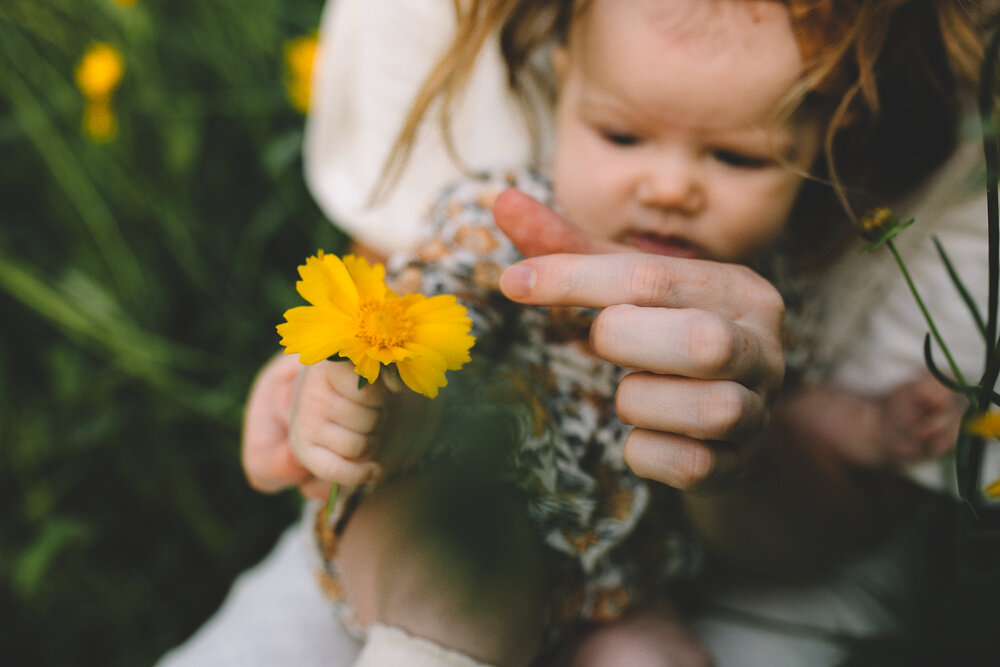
(373, 58)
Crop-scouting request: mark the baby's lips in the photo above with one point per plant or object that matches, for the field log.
(668, 246)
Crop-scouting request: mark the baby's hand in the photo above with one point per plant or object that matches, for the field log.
(334, 431)
(268, 461)
(919, 420)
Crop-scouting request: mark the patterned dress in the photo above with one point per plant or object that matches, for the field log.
(613, 538)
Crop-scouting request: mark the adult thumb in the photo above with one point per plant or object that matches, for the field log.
(535, 229)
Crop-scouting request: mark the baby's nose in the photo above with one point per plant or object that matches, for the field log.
(671, 183)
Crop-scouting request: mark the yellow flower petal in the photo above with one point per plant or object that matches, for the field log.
(986, 425)
(390, 355)
(368, 368)
(443, 325)
(370, 280)
(993, 490)
(449, 341)
(326, 282)
(314, 333)
(424, 374)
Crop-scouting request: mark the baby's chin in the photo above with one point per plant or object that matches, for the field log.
(667, 246)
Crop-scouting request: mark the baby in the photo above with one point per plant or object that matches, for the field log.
(670, 141)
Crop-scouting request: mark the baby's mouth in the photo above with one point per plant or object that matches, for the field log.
(669, 246)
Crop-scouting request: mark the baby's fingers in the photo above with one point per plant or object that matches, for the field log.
(343, 380)
(332, 467)
(341, 411)
(681, 462)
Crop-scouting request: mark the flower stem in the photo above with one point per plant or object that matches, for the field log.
(331, 500)
(927, 315)
(987, 104)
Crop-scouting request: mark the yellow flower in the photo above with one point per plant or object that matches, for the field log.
(99, 120)
(355, 315)
(99, 71)
(880, 225)
(874, 222)
(124, 3)
(986, 425)
(300, 54)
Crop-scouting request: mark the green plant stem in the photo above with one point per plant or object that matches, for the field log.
(991, 152)
(927, 316)
(331, 500)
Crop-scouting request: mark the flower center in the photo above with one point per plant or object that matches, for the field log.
(384, 323)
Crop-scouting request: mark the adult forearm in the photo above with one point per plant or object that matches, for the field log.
(796, 513)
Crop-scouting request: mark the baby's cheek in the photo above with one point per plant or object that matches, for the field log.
(748, 240)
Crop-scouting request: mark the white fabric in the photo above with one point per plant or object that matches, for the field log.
(391, 647)
(373, 56)
(275, 614)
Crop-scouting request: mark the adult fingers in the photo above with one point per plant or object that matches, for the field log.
(688, 342)
(681, 462)
(699, 409)
(598, 281)
(535, 229)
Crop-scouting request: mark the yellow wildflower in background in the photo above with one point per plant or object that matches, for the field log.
(98, 74)
(880, 225)
(125, 3)
(99, 71)
(873, 223)
(99, 120)
(300, 54)
(354, 314)
(986, 425)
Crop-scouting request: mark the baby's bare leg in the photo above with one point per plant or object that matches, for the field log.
(652, 636)
(449, 557)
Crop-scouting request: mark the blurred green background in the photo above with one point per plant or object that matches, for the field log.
(141, 276)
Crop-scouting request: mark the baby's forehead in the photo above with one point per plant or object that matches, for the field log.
(708, 58)
(707, 20)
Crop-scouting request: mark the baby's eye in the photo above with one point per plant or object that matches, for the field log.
(621, 138)
(741, 160)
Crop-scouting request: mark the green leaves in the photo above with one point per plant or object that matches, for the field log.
(139, 283)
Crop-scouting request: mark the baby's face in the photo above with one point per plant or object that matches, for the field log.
(667, 137)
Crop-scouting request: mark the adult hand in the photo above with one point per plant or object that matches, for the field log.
(704, 338)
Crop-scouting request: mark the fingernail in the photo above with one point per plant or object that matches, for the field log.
(517, 281)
